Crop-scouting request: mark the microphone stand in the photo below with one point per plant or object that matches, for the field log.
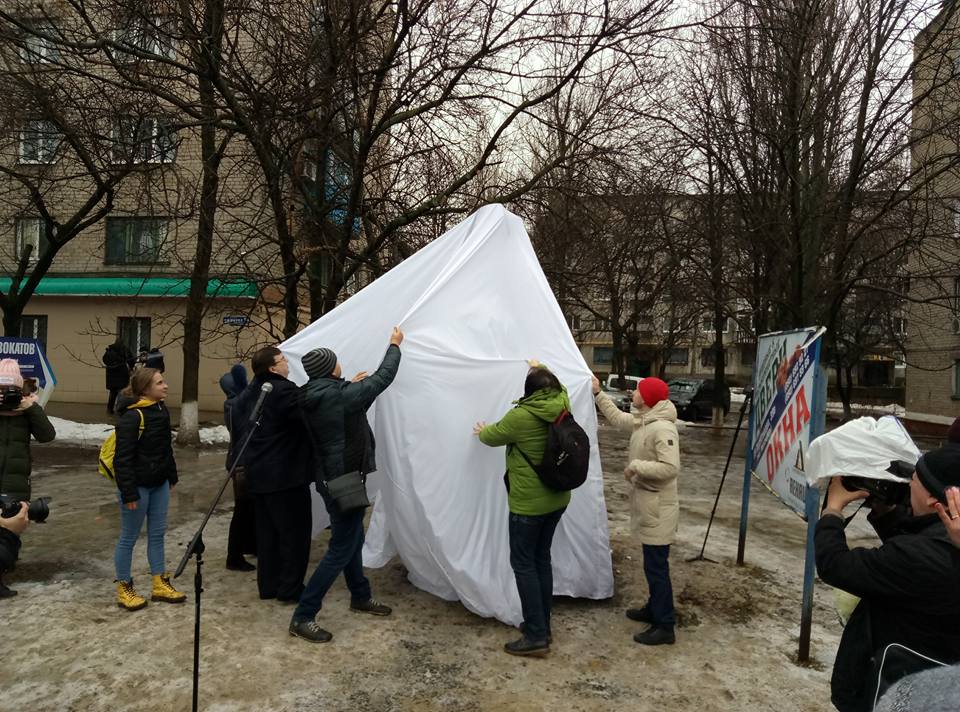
(196, 547)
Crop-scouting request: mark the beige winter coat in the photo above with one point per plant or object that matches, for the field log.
(655, 463)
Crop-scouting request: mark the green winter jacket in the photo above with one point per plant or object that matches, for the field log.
(525, 427)
(15, 460)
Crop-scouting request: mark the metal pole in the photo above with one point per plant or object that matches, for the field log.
(748, 394)
(197, 591)
(811, 511)
(745, 499)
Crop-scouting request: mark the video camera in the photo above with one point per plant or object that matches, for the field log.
(884, 491)
(38, 511)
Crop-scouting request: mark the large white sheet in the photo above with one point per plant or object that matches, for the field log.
(474, 305)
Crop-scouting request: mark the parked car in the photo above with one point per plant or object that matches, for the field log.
(620, 398)
(627, 383)
(693, 397)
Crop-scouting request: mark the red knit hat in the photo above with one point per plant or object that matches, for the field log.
(652, 391)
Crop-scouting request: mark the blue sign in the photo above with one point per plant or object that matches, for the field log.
(240, 320)
(28, 353)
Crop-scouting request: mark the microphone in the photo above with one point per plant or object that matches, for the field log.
(264, 390)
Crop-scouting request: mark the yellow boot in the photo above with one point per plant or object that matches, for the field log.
(164, 591)
(128, 598)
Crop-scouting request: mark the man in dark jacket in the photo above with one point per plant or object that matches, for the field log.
(10, 530)
(909, 586)
(119, 362)
(242, 537)
(335, 410)
(276, 463)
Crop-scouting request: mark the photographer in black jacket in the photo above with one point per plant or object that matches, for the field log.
(909, 586)
(10, 530)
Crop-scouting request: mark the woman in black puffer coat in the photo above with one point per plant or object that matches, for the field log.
(146, 473)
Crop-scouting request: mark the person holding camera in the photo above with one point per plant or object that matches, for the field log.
(146, 474)
(909, 587)
(21, 419)
(335, 411)
(10, 530)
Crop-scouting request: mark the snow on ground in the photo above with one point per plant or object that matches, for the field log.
(93, 434)
(836, 407)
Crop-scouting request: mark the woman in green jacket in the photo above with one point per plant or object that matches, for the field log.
(535, 509)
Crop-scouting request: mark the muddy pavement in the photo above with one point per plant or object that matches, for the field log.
(66, 646)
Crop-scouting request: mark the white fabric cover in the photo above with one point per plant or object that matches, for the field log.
(474, 306)
(863, 447)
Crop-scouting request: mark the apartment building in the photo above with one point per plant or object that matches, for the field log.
(125, 274)
(933, 346)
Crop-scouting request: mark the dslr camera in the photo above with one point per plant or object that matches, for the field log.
(884, 491)
(10, 396)
(38, 511)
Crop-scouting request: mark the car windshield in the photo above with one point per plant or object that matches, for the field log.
(621, 384)
(678, 387)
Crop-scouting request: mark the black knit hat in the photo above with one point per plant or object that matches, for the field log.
(939, 469)
(319, 363)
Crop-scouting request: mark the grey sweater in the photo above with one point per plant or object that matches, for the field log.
(936, 690)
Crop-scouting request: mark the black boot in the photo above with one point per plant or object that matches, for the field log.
(641, 615)
(523, 646)
(5, 591)
(656, 635)
(240, 564)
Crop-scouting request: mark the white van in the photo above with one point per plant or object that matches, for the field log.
(628, 383)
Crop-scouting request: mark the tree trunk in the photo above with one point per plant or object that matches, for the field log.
(189, 432)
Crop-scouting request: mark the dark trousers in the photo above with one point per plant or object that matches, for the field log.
(112, 399)
(283, 524)
(530, 540)
(344, 554)
(656, 567)
(242, 538)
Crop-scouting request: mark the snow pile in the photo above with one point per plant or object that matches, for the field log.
(92, 435)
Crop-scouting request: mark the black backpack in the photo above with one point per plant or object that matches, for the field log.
(566, 458)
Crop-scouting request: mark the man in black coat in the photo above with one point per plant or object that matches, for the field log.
(909, 586)
(118, 361)
(336, 413)
(276, 463)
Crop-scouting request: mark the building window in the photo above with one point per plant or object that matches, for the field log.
(748, 355)
(37, 50)
(956, 296)
(899, 326)
(573, 321)
(678, 357)
(134, 332)
(603, 355)
(135, 240)
(143, 140)
(708, 357)
(151, 34)
(34, 326)
(956, 379)
(706, 324)
(31, 231)
(39, 141)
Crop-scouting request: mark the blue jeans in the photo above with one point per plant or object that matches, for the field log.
(656, 567)
(344, 553)
(530, 540)
(151, 506)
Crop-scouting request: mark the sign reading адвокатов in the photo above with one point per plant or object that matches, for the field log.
(29, 354)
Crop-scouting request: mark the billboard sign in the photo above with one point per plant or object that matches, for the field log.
(785, 382)
(29, 354)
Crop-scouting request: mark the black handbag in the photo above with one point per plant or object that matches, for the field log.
(348, 491)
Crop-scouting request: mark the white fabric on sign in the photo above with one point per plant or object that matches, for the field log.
(474, 306)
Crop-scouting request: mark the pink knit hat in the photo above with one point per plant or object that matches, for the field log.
(10, 373)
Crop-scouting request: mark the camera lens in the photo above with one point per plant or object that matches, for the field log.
(39, 510)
